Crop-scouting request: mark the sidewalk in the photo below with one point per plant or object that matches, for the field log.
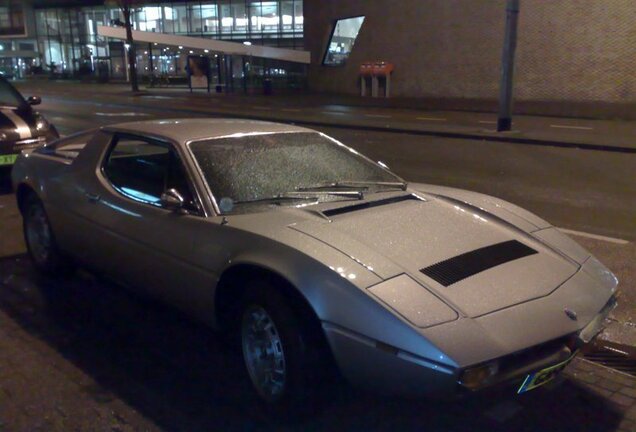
(369, 114)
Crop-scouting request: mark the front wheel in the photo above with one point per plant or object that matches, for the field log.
(284, 361)
(40, 240)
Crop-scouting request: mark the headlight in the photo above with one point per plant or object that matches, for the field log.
(413, 301)
(41, 124)
(475, 377)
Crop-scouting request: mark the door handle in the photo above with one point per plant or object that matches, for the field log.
(92, 197)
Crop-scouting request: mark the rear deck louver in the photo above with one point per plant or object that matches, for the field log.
(462, 266)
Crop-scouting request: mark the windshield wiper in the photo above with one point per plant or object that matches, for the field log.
(278, 199)
(309, 195)
(352, 185)
(358, 194)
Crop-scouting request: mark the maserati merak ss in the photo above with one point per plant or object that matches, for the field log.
(310, 253)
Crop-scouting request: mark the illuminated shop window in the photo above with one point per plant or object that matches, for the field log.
(342, 39)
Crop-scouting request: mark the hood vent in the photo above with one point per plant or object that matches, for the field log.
(366, 205)
(462, 266)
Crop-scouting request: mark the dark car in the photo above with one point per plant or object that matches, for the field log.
(21, 127)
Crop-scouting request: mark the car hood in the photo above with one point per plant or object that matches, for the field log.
(438, 241)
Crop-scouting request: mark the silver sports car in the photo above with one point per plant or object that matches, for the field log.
(312, 254)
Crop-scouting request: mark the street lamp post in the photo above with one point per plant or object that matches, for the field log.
(504, 120)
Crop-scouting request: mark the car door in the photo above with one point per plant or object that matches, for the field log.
(137, 240)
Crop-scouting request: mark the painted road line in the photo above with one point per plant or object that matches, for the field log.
(378, 115)
(487, 121)
(431, 119)
(121, 114)
(595, 236)
(333, 113)
(571, 127)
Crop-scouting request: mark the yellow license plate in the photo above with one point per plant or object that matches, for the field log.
(544, 376)
(8, 159)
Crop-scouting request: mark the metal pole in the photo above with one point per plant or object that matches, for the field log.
(151, 65)
(504, 121)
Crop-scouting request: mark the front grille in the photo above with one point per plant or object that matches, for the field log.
(462, 266)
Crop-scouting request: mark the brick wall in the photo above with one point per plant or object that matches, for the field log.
(569, 51)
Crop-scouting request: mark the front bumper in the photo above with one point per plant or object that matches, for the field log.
(9, 150)
(384, 369)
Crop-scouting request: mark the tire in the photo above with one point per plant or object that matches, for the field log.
(40, 240)
(284, 361)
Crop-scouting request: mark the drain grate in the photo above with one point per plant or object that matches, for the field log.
(612, 355)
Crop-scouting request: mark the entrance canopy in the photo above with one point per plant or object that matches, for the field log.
(208, 44)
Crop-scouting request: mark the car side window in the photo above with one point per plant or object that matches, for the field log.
(142, 170)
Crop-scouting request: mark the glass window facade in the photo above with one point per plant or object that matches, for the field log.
(342, 39)
(12, 20)
(68, 43)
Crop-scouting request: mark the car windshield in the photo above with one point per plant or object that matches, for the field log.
(278, 167)
(9, 96)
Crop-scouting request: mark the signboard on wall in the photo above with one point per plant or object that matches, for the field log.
(198, 72)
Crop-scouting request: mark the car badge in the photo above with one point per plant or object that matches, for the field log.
(571, 314)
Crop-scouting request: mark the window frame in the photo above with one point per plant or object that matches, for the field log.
(333, 30)
(115, 138)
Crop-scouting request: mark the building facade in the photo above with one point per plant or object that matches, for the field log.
(573, 57)
(61, 37)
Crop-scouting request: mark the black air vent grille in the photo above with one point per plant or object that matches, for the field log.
(366, 205)
(462, 266)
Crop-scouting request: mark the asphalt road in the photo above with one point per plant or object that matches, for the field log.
(589, 191)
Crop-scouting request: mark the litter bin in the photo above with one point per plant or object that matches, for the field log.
(267, 87)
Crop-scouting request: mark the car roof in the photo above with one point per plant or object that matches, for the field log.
(194, 129)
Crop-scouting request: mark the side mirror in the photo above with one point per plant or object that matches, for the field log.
(172, 200)
(34, 100)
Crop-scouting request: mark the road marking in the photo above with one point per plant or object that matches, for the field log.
(571, 127)
(487, 121)
(431, 119)
(291, 109)
(121, 114)
(333, 112)
(377, 115)
(595, 236)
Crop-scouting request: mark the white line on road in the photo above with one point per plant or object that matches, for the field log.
(121, 114)
(571, 127)
(378, 115)
(595, 236)
(431, 119)
(487, 121)
(333, 112)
